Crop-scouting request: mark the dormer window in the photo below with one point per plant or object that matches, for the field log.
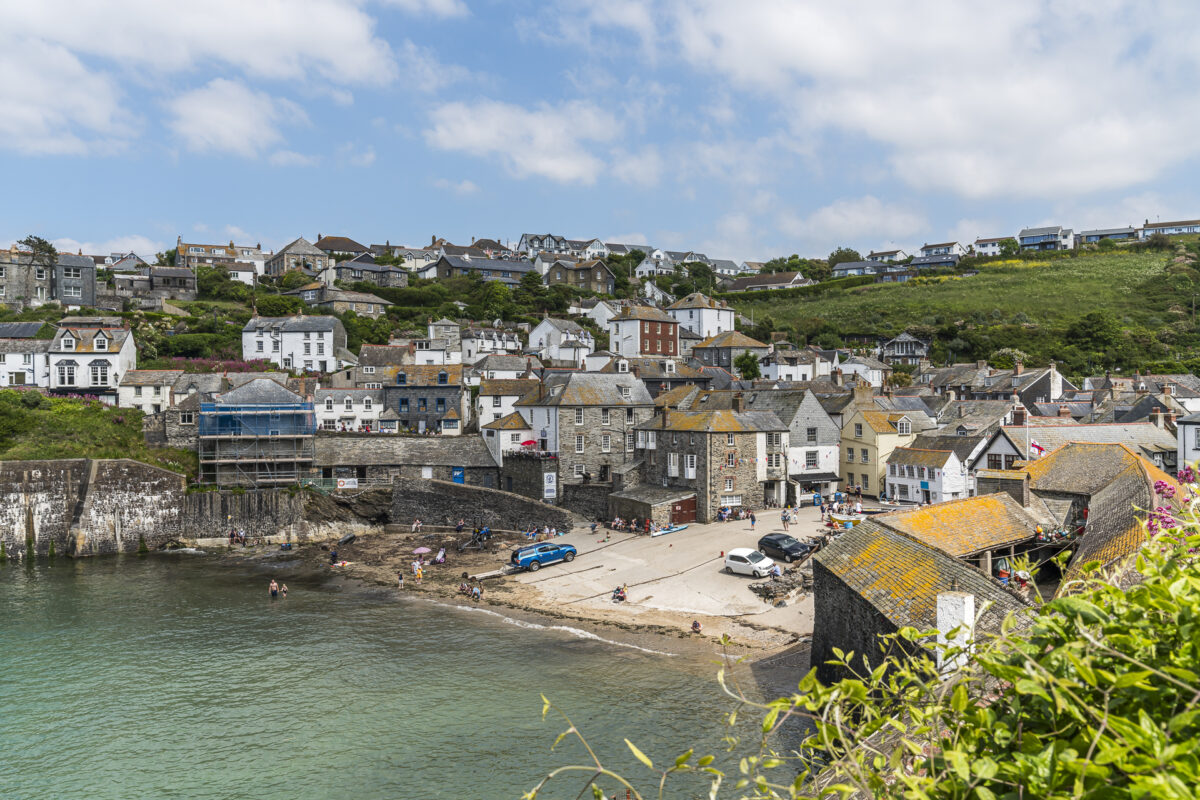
(349, 404)
(903, 427)
(68, 343)
(443, 379)
(402, 378)
(622, 366)
(100, 343)
(366, 404)
(329, 404)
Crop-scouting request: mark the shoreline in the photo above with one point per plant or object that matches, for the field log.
(375, 559)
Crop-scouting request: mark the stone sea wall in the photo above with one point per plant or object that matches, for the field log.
(86, 507)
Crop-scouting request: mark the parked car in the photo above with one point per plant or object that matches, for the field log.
(745, 561)
(784, 547)
(533, 557)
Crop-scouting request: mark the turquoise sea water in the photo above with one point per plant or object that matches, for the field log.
(176, 677)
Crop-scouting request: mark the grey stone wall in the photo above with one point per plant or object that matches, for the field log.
(589, 501)
(843, 619)
(593, 458)
(443, 503)
(711, 451)
(524, 474)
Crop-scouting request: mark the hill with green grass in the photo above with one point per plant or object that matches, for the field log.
(34, 427)
(1089, 310)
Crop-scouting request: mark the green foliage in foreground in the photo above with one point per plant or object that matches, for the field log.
(1094, 695)
(34, 427)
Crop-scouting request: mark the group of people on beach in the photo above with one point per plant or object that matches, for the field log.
(545, 531)
(471, 590)
(634, 525)
(725, 514)
(237, 536)
(841, 508)
(275, 589)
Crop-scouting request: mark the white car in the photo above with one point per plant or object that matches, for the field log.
(747, 561)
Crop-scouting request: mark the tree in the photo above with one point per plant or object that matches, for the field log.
(1009, 247)
(1095, 328)
(747, 366)
(165, 258)
(842, 255)
(41, 252)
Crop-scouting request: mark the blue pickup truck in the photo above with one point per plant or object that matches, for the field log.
(532, 557)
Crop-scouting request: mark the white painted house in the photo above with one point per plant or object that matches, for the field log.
(90, 355)
(25, 362)
(561, 340)
(702, 315)
(352, 410)
(316, 344)
(989, 246)
(926, 476)
(943, 249)
(1187, 434)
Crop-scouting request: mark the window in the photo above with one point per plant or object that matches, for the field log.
(731, 459)
(775, 460)
(403, 405)
(137, 391)
(402, 378)
(892, 470)
(578, 416)
(810, 459)
(421, 404)
(921, 473)
(320, 348)
(670, 350)
(579, 470)
(349, 404)
(729, 484)
(629, 441)
(903, 427)
(1009, 460)
(513, 438)
(645, 327)
(858, 430)
(443, 379)
(372, 386)
(690, 465)
(866, 481)
(623, 366)
(606, 443)
(275, 346)
(68, 343)
(259, 349)
(72, 292)
(605, 416)
(865, 458)
(366, 370)
(625, 394)
(774, 440)
(100, 375)
(72, 272)
(903, 488)
(849, 455)
(496, 400)
(579, 443)
(187, 417)
(994, 460)
(40, 273)
(729, 439)
(329, 404)
(441, 405)
(810, 435)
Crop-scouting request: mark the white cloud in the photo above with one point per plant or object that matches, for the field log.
(142, 245)
(349, 153)
(226, 116)
(463, 187)
(1022, 98)
(424, 72)
(548, 141)
(641, 169)
(288, 158)
(847, 222)
(277, 39)
(437, 8)
(51, 104)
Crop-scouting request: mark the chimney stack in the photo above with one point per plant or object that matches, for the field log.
(739, 403)
(1018, 367)
(1019, 415)
(1064, 410)
(663, 420)
(1167, 388)
(1156, 418)
(956, 629)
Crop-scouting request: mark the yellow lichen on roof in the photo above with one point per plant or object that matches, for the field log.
(966, 527)
(879, 421)
(722, 421)
(511, 422)
(731, 339)
(918, 457)
(673, 397)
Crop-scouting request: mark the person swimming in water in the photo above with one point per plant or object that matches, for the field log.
(283, 590)
(274, 588)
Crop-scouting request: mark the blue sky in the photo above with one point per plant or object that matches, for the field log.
(745, 130)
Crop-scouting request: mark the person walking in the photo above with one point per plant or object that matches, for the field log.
(785, 519)
(273, 588)
(752, 520)
(400, 579)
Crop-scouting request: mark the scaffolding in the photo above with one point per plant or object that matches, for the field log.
(257, 445)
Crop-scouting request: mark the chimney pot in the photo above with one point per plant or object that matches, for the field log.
(1019, 415)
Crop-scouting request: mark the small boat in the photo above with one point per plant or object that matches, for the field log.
(842, 519)
(671, 529)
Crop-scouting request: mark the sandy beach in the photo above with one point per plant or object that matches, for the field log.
(671, 580)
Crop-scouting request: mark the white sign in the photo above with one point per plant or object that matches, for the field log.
(347, 483)
(550, 485)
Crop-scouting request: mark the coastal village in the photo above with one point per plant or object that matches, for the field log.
(638, 415)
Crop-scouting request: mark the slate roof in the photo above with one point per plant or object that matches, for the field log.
(715, 422)
(19, 330)
(925, 261)
(381, 355)
(300, 247)
(962, 446)
(292, 324)
(678, 397)
(589, 389)
(260, 391)
(766, 280)
(427, 374)
(731, 339)
(500, 362)
(920, 458)
(205, 383)
(388, 450)
(1143, 435)
(868, 362)
(25, 345)
(508, 387)
(696, 300)
(340, 244)
(151, 377)
(966, 527)
(509, 422)
(649, 369)
(339, 396)
(901, 576)
(652, 495)
(564, 325)
(644, 313)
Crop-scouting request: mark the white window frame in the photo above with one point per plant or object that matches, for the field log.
(689, 466)
(606, 443)
(673, 465)
(579, 415)
(579, 443)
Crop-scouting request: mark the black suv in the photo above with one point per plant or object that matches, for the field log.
(783, 547)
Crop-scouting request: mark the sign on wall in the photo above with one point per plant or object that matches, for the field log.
(347, 483)
(550, 485)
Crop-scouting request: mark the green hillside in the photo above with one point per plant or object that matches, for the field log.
(1089, 311)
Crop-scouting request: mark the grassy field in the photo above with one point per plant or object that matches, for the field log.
(35, 427)
(1131, 286)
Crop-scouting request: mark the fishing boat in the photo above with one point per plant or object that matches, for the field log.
(672, 529)
(841, 519)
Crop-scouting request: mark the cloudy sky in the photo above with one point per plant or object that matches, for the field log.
(743, 129)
